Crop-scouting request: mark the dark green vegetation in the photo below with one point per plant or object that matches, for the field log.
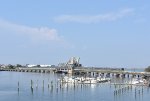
(147, 69)
(11, 66)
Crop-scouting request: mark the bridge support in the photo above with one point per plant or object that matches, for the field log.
(108, 75)
(117, 75)
(123, 75)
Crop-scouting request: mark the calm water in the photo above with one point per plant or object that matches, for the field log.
(90, 92)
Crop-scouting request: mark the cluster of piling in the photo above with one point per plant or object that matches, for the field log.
(128, 89)
(34, 85)
(52, 85)
(56, 86)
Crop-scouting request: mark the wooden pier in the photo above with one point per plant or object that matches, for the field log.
(84, 71)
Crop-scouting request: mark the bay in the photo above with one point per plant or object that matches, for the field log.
(47, 88)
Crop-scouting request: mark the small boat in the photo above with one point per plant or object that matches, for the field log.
(68, 80)
(135, 82)
(138, 81)
(103, 79)
(90, 81)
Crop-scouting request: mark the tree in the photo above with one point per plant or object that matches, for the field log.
(38, 66)
(11, 66)
(18, 65)
(147, 69)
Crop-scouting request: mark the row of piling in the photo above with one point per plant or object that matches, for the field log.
(50, 85)
(128, 89)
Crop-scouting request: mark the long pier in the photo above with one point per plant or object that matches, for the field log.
(109, 72)
(84, 71)
(34, 69)
(112, 73)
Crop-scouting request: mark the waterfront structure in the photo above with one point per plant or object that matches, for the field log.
(74, 67)
(85, 71)
(74, 62)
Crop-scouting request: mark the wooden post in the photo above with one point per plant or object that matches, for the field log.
(18, 86)
(51, 85)
(32, 86)
(31, 83)
(43, 85)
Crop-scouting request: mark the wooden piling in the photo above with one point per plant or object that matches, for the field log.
(18, 86)
(51, 85)
(43, 83)
(32, 86)
(43, 86)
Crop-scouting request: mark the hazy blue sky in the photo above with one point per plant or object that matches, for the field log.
(113, 33)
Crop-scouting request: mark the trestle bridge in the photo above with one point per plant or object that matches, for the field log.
(84, 71)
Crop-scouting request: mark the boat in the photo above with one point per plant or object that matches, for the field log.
(90, 81)
(138, 82)
(83, 80)
(68, 80)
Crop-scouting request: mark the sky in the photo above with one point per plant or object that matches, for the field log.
(103, 33)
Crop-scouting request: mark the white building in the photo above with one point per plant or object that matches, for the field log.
(32, 65)
(45, 65)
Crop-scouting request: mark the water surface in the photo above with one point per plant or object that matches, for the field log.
(47, 88)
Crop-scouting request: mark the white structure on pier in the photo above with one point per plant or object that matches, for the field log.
(33, 65)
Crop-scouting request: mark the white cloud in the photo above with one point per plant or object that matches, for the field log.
(94, 18)
(42, 33)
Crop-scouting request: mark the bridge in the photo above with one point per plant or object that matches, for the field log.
(110, 73)
(84, 71)
(34, 69)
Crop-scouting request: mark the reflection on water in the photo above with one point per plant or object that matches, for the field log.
(17, 86)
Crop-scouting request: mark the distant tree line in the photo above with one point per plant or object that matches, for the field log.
(147, 69)
(10, 66)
